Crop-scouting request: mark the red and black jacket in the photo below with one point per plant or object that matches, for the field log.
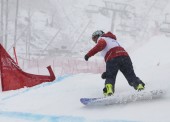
(112, 53)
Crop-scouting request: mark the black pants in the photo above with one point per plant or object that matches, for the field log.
(124, 64)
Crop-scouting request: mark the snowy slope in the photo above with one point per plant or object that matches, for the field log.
(59, 100)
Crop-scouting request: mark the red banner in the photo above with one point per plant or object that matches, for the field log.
(12, 76)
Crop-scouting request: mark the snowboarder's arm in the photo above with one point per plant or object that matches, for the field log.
(99, 47)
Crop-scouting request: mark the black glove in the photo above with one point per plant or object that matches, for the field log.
(103, 76)
(86, 57)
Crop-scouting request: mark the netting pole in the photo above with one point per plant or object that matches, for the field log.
(15, 55)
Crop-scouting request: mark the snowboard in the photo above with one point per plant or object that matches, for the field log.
(123, 98)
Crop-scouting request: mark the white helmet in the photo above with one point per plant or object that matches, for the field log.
(97, 33)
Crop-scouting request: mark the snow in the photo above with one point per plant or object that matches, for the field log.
(59, 100)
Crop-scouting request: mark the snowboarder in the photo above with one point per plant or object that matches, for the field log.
(116, 58)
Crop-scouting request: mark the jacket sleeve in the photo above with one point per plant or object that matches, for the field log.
(99, 47)
(114, 37)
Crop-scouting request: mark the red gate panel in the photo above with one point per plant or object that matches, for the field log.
(12, 76)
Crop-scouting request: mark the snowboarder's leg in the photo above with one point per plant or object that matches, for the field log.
(111, 73)
(126, 68)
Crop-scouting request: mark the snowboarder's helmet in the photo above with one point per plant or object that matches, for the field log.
(97, 33)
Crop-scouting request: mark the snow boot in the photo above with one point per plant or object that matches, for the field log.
(140, 87)
(108, 90)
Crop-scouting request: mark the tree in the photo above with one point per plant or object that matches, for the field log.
(6, 25)
(16, 22)
(2, 24)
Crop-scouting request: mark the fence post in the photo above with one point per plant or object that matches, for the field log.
(23, 64)
(38, 66)
(53, 66)
(15, 55)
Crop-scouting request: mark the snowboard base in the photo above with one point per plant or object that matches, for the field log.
(123, 98)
